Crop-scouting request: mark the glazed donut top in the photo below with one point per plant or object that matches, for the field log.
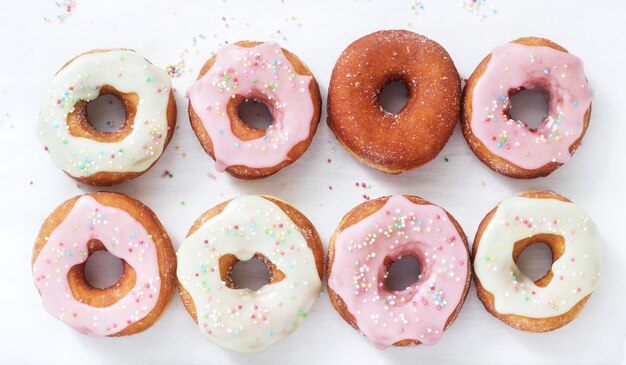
(576, 272)
(359, 268)
(261, 72)
(560, 75)
(124, 237)
(81, 79)
(241, 319)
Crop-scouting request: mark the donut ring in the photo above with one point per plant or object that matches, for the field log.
(508, 146)
(243, 228)
(107, 158)
(558, 297)
(267, 73)
(125, 228)
(368, 240)
(398, 142)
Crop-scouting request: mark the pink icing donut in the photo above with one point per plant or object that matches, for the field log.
(368, 240)
(126, 229)
(509, 146)
(263, 72)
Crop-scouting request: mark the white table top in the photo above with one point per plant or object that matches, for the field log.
(35, 47)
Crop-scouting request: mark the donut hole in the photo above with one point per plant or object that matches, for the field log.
(394, 96)
(251, 274)
(255, 114)
(535, 261)
(535, 255)
(403, 273)
(106, 113)
(103, 283)
(103, 270)
(529, 107)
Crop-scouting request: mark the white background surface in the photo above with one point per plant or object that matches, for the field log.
(33, 49)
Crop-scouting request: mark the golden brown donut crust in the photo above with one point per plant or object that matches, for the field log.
(226, 262)
(246, 132)
(356, 215)
(494, 162)
(557, 247)
(104, 297)
(398, 142)
(79, 126)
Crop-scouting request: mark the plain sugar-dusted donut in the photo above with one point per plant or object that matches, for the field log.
(509, 146)
(125, 228)
(390, 142)
(106, 158)
(368, 240)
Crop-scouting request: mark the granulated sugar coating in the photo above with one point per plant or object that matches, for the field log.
(415, 135)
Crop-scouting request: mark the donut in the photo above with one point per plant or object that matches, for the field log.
(128, 230)
(558, 297)
(266, 73)
(368, 240)
(508, 146)
(394, 142)
(107, 158)
(244, 228)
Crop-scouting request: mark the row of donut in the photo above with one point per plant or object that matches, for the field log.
(367, 241)
(265, 72)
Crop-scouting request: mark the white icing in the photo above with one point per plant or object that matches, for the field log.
(127, 72)
(240, 319)
(576, 272)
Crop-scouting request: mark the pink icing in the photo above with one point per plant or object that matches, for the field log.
(515, 66)
(262, 73)
(358, 273)
(125, 238)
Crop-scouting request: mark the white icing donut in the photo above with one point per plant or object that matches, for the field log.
(576, 272)
(240, 319)
(81, 79)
